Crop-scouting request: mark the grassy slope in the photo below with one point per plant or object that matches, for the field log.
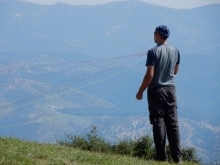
(14, 151)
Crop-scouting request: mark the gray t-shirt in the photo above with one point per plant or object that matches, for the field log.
(164, 58)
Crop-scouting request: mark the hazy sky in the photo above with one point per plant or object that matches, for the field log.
(168, 3)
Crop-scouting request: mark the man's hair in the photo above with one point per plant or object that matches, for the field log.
(161, 36)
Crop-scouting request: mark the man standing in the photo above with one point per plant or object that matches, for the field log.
(162, 66)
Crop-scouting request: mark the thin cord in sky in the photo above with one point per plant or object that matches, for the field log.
(43, 92)
(59, 64)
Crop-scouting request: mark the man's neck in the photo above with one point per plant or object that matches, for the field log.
(161, 42)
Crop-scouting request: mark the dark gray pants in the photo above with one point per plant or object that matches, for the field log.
(163, 117)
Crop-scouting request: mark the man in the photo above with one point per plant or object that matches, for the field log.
(162, 66)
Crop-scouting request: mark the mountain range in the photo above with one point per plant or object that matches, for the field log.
(65, 68)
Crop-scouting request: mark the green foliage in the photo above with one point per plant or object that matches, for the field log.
(142, 147)
(189, 154)
(76, 142)
(123, 147)
(91, 142)
(17, 152)
(96, 143)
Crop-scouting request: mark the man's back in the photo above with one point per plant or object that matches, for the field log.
(164, 58)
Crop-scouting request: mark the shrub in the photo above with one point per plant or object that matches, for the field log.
(123, 147)
(77, 142)
(90, 142)
(143, 147)
(189, 154)
(96, 143)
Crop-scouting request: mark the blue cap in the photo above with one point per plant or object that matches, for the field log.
(163, 30)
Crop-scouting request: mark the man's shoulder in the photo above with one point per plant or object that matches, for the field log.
(153, 49)
(162, 48)
(172, 47)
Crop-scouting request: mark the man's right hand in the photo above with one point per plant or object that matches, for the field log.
(139, 95)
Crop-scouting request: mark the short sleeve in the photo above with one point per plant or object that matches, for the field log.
(151, 60)
(178, 58)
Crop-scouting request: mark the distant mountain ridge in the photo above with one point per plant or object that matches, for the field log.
(40, 35)
(105, 30)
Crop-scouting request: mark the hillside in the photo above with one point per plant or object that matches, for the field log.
(64, 68)
(104, 100)
(16, 152)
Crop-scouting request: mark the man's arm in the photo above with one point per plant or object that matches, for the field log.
(176, 69)
(146, 81)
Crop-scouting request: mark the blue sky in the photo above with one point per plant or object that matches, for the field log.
(187, 4)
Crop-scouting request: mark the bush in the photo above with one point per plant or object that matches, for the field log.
(144, 148)
(91, 142)
(77, 142)
(189, 154)
(96, 143)
(123, 147)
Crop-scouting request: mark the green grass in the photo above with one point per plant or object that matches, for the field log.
(20, 152)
